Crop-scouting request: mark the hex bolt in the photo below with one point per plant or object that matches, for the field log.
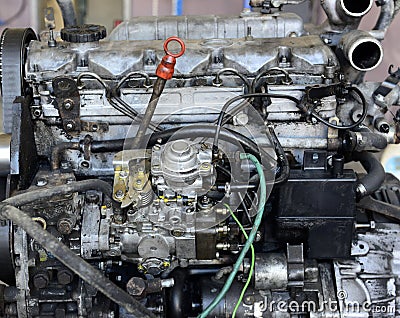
(119, 194)
(65, 226)
(41, 280)
(384, 128)
(136, 286)
(92, 197)
(64, 277)
(68, 104)
(123, 174)
(70, 126)
(65, 165)
(41, 182)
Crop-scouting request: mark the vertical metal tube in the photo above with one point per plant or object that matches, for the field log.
(35, 7)
(127, 10)
(155, 8)
(174, 4)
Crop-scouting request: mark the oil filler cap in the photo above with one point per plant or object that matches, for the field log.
(83, 33)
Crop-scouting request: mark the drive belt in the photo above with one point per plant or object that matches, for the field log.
(13, 44)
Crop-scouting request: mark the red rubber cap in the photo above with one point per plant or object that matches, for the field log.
(167, 66)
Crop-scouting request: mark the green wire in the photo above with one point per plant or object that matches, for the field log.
(249, 242)
(253, 258)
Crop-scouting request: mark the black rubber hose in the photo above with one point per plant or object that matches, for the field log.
(177, 296)
(68, 12)
(284, 162)
(75, 263)
(178, 133)
(40, 194)
(203, 131)
(364, 141)
(375, 176)
(181, 133)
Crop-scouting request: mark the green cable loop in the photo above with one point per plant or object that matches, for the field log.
(249, 242)
(253, 259)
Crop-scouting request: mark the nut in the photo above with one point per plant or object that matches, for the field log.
(64, 277)
(136, 286)
(41, 182)
(41, 280)
(65, 226)
(68, 104)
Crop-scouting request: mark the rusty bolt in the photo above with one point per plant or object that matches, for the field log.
(70, 125)
(41, 182)
(136, 286)
(41, 280)
(119, 194)
(65, 226)
(92, 197)
(68, 104)
(64, 277)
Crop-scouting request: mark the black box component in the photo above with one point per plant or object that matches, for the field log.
(318, 210)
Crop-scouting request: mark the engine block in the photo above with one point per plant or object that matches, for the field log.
(196, 166)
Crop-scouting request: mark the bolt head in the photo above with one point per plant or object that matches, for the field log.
(119, 194)
(384, 128)
(136, 286)
(41, 182)
(123, 174)
(68, 104)
(64, 226)
(70, 126)
(64, 277)
(41, 280)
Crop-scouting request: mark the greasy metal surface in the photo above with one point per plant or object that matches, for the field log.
(176, 226)
(308, 54)
(279, 25)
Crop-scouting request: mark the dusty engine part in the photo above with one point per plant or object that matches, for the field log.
(216, 190)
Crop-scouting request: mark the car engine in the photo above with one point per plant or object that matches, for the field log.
(200, 166)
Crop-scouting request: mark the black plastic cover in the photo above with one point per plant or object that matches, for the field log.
(318, 210)
(83, 33)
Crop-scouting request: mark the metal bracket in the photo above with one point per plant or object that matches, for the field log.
(68, 102)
